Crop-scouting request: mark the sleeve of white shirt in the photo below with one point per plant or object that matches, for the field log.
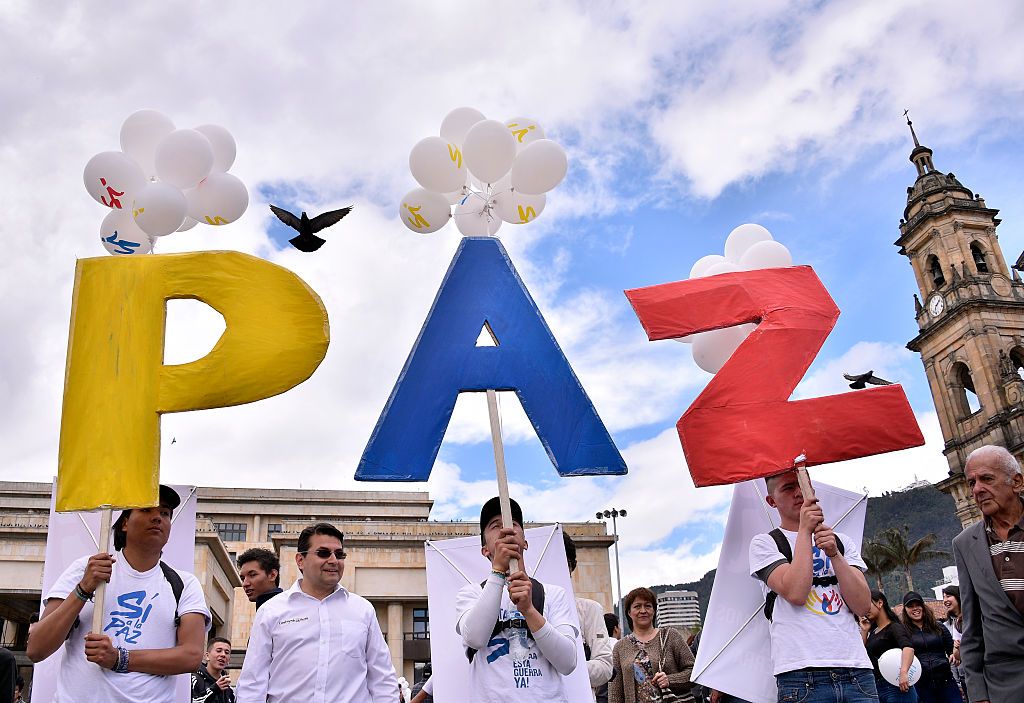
(381, 681)
(477, 611)
(599, 666)
(192, 598)
(763, 552)
(255, 678)
(557, 639)
(67, 581)
(851, 553)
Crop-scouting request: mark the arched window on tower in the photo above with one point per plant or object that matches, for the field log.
(965, 396)
(979, 258)
(936, 271)
(1017, 359)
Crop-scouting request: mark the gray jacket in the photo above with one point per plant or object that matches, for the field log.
(992, 648)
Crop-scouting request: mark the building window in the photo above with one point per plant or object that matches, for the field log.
(419, 669)
(963, 387)
(979, 258)
(273, 528)
(1017, 359)
(936, 270)
(231, 531)
(420, 624)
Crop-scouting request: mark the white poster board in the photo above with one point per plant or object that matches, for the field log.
(74, 535)
(451, 564)
(735, 654)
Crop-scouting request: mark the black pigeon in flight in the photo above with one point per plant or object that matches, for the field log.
(862, 380)
(307, 240)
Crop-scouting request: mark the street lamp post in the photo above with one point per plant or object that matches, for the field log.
(614, 513)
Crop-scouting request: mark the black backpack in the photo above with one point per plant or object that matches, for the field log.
(537, 596)
(787, 551)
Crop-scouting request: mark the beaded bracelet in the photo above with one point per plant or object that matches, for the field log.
(502, 574)
(82, 594)
(121, 665)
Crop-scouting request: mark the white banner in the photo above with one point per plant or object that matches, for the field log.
(74, 535)
(735, 653)
(451, 564)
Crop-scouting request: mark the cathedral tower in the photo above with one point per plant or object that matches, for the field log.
(971, 320)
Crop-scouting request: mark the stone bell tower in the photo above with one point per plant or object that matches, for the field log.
(970, 319)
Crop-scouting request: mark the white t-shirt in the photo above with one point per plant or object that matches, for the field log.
(494, 675)
(139, 615)
(821, 632)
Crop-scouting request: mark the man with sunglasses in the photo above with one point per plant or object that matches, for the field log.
(317, 640)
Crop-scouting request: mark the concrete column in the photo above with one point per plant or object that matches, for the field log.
(256, 536)
(396, 636)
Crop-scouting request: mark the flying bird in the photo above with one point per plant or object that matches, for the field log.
(861, 380)
(306, 240)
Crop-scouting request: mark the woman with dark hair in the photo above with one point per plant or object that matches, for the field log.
(649, 660)
(883, 631)
(933, 645)
(954, 622)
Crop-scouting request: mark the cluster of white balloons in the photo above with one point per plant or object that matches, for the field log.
(163, 180)
(748, 247)
(491, 171)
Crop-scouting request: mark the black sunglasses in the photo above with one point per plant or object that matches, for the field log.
(325, 553)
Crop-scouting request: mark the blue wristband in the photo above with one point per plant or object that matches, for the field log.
(121, 666)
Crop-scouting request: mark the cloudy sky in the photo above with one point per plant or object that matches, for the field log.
(681, 120)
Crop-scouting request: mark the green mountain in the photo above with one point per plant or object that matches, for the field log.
(922, 510)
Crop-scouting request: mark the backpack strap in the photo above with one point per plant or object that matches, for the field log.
(787, 552)
(177, 588)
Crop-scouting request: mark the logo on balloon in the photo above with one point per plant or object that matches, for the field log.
(419, 222)
(456, 155)
(520, 132)
(112, 194)
(215, 220)
(526, 215)
(121, 246)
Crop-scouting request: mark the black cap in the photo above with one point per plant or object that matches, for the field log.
(168, 497)
(493, 507)
(912, 597)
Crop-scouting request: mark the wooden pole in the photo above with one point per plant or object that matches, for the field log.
(101, 589)
(499, 464)
(804, 478)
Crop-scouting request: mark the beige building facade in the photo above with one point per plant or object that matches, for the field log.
(384, 536)
(970, 317)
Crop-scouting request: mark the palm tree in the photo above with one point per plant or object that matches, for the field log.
(892, 544)
(877, 561)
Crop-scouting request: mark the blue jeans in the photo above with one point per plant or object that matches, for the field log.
(887, 693)
(827, 686)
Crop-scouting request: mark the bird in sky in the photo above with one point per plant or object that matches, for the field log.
(862, 380)
(306, 240)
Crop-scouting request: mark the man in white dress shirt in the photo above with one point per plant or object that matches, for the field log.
(317, 641)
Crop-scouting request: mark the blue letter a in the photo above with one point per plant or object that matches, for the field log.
(481, 287)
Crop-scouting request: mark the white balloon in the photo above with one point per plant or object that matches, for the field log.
(741, 239)
(525, 131)
(120, 236)
(457, 123)
(489, 149)
(159, 209)
(141, 133)
(113, 179)
(457, 196)
(219, 200)
(889, 667)
(188, 224)
(424, 211)
(183, 158)
(517, 208)
(539, 167)
(699, 269)
(721, 267)
(222, 144)
(437, 165)
(766, 255)
(475, 218)
(713, 348)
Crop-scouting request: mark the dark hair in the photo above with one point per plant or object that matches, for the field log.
(889, 612)
(320, 528)
(928, 622)
(120, 536)
(267, 560)
(611, 621)
(641, 594)
(570, 551)
(952, 591)
(215, 640)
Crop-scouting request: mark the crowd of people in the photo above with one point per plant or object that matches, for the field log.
(830, 635)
